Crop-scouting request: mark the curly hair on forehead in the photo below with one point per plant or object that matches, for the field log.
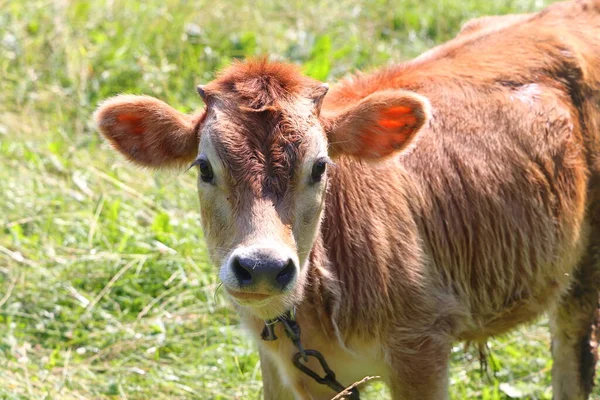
(260, 85)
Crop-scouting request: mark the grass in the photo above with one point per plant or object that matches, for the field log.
(105, 288)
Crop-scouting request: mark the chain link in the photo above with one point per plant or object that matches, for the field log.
(292, 331)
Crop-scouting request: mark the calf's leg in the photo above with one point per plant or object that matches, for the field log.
(574, 325)
(419, 370)
(273, 387)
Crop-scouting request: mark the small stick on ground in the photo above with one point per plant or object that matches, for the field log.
(346, 392)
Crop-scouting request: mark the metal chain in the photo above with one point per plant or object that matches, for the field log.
(292, 331)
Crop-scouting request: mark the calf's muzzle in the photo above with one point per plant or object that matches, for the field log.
(262, 269)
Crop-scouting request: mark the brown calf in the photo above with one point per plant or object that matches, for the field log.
(481, 212)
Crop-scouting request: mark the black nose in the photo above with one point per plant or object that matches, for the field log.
(252, 270)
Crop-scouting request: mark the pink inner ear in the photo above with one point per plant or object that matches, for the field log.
(398, 122)
(133, 123)
(380, 145)
(396, 125)
(397, 117)
(396, 112)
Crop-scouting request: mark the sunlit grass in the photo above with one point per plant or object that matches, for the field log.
(105, 288)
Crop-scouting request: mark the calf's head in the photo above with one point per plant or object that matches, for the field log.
(261, 147)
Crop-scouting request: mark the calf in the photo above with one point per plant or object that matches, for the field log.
(462, 200)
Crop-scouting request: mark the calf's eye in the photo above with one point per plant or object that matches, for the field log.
(318, 169)
(206, 172)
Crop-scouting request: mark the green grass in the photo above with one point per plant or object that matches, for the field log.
(105, 288)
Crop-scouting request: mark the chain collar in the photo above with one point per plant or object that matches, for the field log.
(292, 331)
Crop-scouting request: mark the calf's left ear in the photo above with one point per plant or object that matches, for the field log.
(148, 131)
(377, 126)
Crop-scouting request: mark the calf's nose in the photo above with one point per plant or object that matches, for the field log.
(253, 269)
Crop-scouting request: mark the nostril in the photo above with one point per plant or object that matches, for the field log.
(287, 274)
(240, 272)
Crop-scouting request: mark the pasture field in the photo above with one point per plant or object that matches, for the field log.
(105, 288)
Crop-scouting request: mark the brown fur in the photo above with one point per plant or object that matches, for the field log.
(487, 218)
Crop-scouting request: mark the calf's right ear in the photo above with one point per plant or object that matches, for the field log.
(148, 131)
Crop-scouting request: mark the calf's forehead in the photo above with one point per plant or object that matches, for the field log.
(264, 151)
